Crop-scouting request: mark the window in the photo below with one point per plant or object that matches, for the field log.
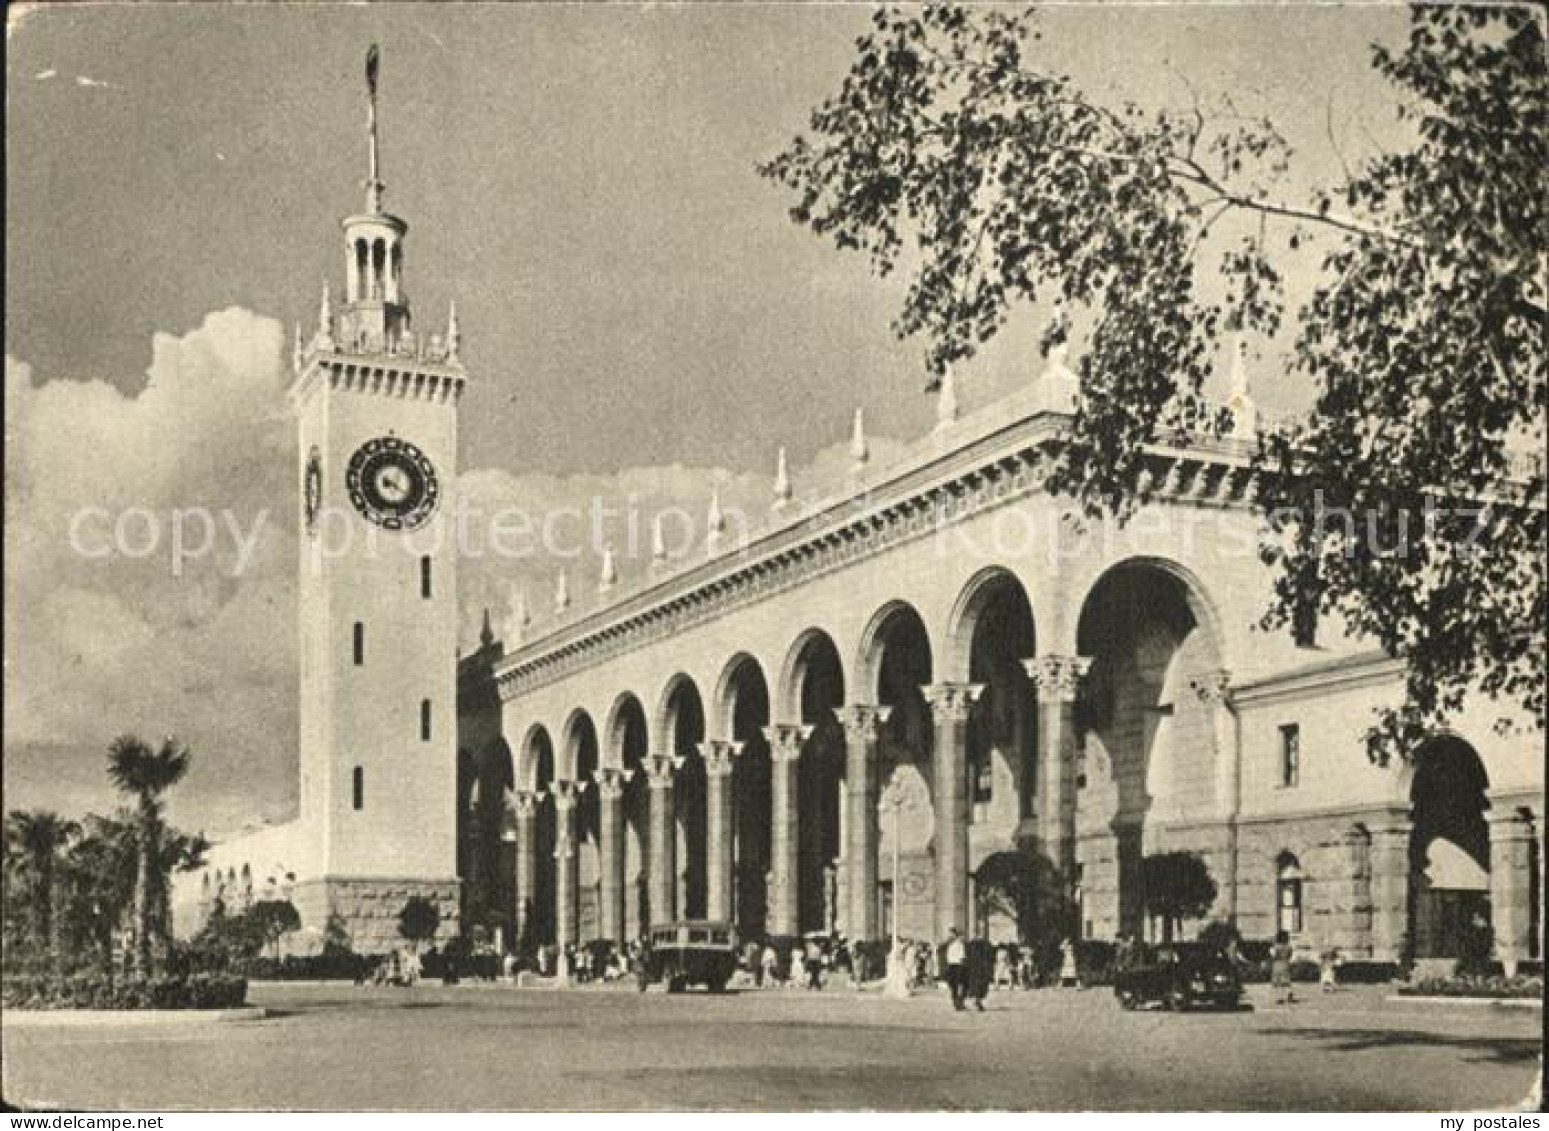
(360, 644)
(424, 720)
(1288, 894)
(358, 788)
(1290, 755)
(425, 577)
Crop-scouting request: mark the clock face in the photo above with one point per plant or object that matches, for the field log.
(312, 489)
(392, 484)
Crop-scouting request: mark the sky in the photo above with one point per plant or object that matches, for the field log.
(639, 316)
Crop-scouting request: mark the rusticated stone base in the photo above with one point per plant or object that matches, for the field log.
(366, 909)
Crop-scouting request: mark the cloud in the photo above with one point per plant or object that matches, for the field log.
(87, 80)
(95, 646)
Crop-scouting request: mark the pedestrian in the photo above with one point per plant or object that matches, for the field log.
(1003, 967)
(1069, 972)
(643, 966)
(769, 965)
(1280, 968)
(1328, 970)
(955, 956)
(977, 970)
(814, 965)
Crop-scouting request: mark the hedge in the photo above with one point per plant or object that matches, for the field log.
(96, 991)
(1474, 985)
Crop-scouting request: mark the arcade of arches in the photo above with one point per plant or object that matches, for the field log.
(858, 793)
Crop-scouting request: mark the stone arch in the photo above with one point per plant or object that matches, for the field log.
(579, 743)
(810, 644)
(1449, 847)
(723, 702)
(535, 761)
(624, 717)
(743, 695)
(680, 730)
(991, 633)
(816, 692)
(489, 858)
(895, 662)
(626, 747)
(1153, 640)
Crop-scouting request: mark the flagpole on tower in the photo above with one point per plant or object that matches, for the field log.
(373, 180)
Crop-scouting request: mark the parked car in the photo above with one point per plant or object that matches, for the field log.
(693, 952)
(1179, 976)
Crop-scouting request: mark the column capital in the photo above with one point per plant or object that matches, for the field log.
(1057, 678)
(786, 740)
(951, 702)
(719, 755)
(658, 770)
(524, 804)
(862, 721)
(567, 793)
(610, 782)
(1214, 687)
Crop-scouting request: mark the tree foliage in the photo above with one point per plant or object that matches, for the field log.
(1026, 887)
(419, 919)
(949, 152)
(146, 775)
(1176, 886)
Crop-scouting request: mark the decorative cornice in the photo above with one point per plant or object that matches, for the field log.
(997, 460)
(1058, 678)
(952, 702)
(403, 378)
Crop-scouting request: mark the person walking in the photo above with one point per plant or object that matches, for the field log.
(978, 970)
(1070, 974)
(769, 963)
(1280, 968)
(1328, 970)
(955, 957)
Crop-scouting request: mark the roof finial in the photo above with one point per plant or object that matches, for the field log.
(561, 593)
(716, 521)
(454, 336)
(782, 484)
(658, 543)
(486, 631)
(946, 400)
(296, 351)
(860, 452)
(608, 577)
(325, 320)
(374, 184)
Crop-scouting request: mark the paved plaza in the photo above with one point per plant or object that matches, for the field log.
(493, 1047)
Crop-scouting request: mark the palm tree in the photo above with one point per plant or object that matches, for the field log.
(146, 774)
(37, 838)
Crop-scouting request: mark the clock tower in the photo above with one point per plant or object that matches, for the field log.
(376, 409)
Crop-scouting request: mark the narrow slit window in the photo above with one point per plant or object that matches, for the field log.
(424, 720)
(358, 788)
(360, 644)
(425, 577)
(1290, 755)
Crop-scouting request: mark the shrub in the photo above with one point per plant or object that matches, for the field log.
(1478, 985)
(96, 991)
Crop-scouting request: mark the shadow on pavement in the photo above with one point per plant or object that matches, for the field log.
(1498, 1050)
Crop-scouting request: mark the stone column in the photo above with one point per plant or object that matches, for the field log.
(1058, 680)
(862, 726)
(785, 744)
(610, 852)
(1214, 690)
(1390, 885)
(566, 878)
(1511, 885)
(950, 704)
(525, 811)
(719, 756)
(660, 888)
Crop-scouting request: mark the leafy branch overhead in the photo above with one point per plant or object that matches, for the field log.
(1156, 234)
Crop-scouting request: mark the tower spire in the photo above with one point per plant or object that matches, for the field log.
(374, 184)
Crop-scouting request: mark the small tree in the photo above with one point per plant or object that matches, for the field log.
(272, 918)
(418, 920)
(1177, 886)
(1026, 887)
